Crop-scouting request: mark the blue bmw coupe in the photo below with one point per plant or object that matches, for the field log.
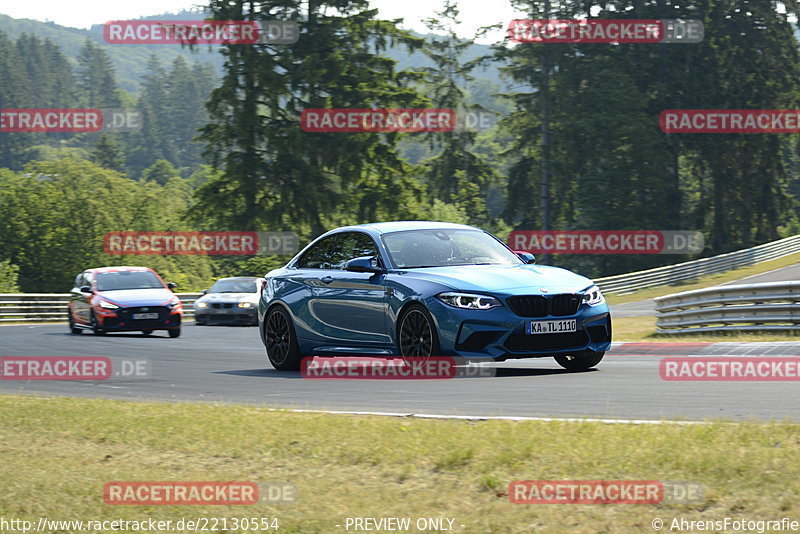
(419, 288)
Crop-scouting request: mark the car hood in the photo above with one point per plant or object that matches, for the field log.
(138, 297)
(229, 297)
(511, 279)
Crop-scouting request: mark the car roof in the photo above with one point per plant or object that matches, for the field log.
(400, 226)
(246, 278)
(117, 269)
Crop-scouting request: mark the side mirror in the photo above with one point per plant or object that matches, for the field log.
(364, 264)
(172, 285)
(526, 257)
(86, 289)
(203, 292)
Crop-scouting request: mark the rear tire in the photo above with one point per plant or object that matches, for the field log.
(72, 328)
(174, 332)
(580, 361)
(280, 340)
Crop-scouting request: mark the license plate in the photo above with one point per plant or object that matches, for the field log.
(137, 316)
(551, 327)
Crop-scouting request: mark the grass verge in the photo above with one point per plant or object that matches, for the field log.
(57, 453)
(708, 281)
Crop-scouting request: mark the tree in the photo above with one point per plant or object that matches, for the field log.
(455, 173)
(9, 273)
(55, 215)
(609, 165)
(96, 77)
(160, 172)
(274, 173)
(107, 153)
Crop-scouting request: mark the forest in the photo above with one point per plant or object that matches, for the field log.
(577, 143)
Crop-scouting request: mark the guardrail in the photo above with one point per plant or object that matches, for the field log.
(43, 307)
(49, 307)
(747, 307)
(670, 274)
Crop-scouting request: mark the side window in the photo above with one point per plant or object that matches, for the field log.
(79, 281)
(319, 255)
(354, 245)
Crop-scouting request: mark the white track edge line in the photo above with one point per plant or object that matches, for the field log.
(498, 417)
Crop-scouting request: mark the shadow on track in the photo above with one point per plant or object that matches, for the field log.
(266, 373)
(499, 372)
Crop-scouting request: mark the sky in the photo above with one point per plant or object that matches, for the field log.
(85, 13)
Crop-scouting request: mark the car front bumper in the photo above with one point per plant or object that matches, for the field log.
(122, 320)
(499, 334)
(235, 316)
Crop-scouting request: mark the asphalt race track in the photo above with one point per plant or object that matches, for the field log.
(228, 364)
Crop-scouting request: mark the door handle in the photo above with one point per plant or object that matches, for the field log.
(326, 279)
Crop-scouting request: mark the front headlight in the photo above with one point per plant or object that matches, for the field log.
(469, 301)
(245, 304)
(108, 305)
(592, 296)
(200, 305)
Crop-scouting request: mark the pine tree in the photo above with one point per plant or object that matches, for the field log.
(96, 77)
(107, 153)
(455, 173)
(276, 174)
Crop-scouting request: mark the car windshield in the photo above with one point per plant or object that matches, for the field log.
(440, 248)
(112, 281)
(234, 286)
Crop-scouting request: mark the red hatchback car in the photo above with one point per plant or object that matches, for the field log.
(123, 299)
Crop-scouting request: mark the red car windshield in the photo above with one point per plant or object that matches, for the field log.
(112, 281)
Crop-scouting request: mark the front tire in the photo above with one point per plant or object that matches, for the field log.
(580, 361)
(280, 340)
(416, 333)
(96, 330)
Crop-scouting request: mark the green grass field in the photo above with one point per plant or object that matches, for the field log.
(57, 454)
